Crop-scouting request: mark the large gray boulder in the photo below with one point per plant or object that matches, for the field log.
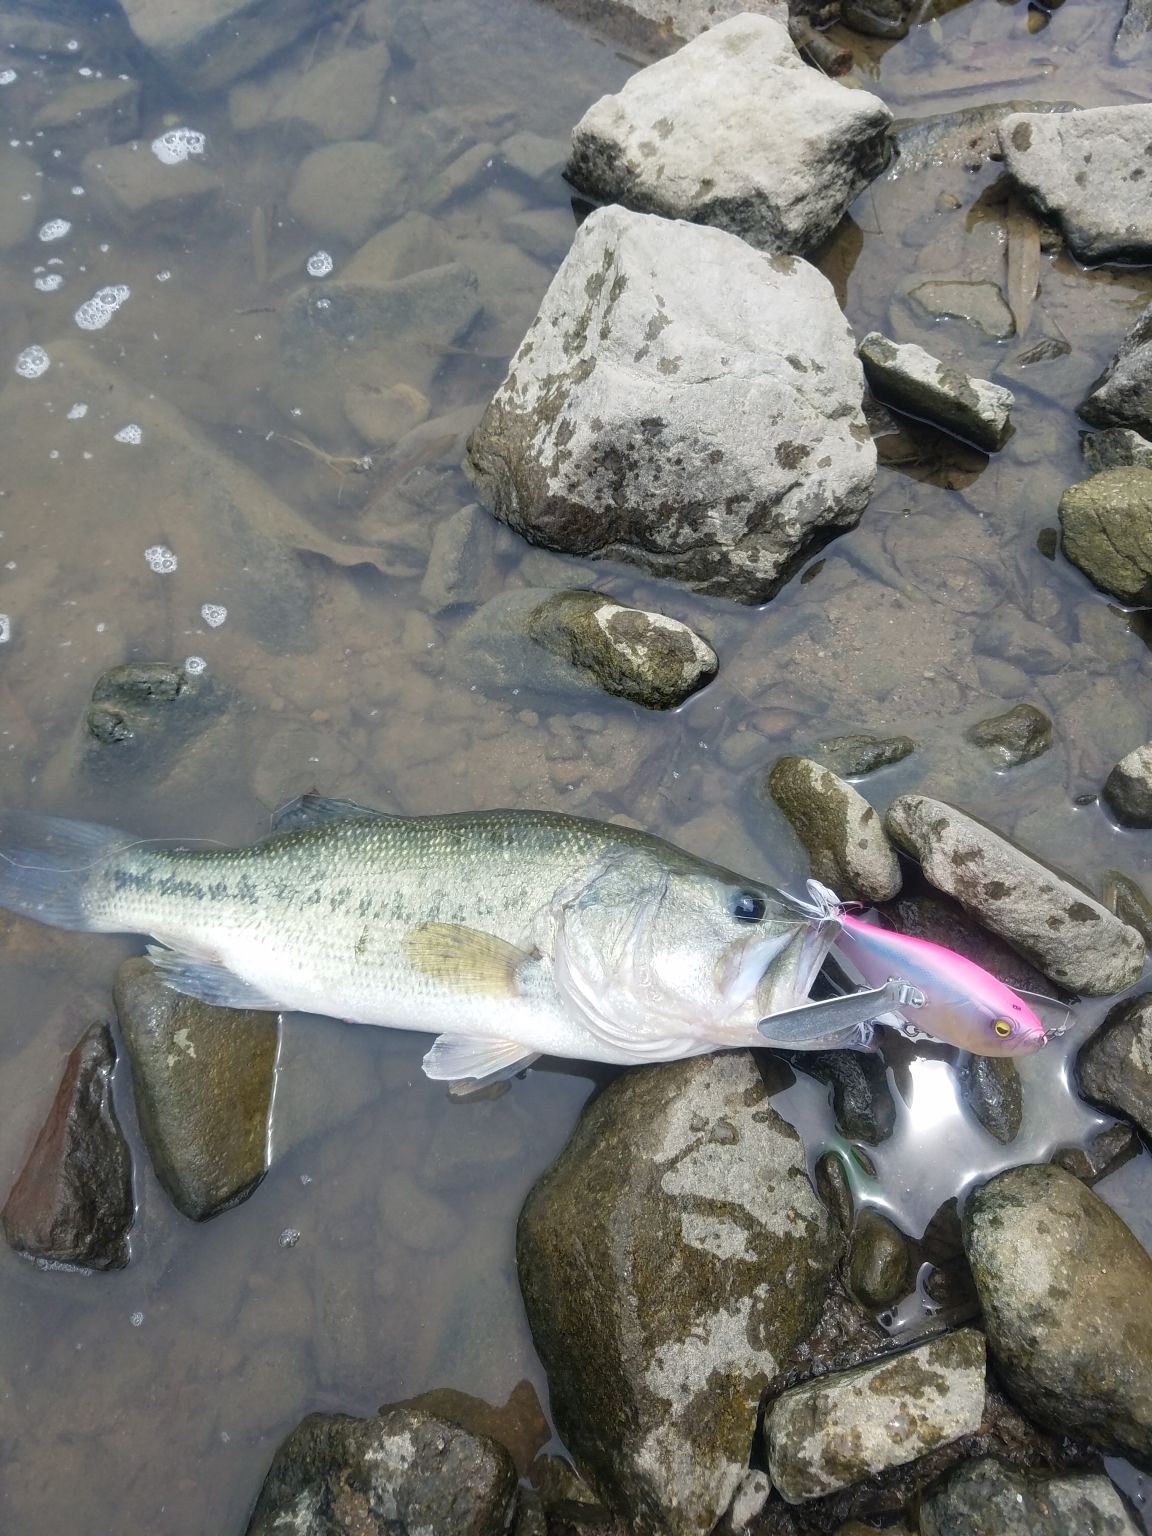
(684, 402)
(1122, 395)
(989, 1498)
(1088, 171)
(1106, 530)
(671, 1259)
(1060, 928)
(735, 130)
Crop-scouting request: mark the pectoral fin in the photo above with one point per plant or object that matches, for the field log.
(465, 959)
(454, 1058)
(207, 980)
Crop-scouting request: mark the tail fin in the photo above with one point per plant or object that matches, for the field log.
(47, 862)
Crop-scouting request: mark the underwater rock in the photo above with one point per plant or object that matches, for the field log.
(1122, 395)
(1088, 171)
(1017, 736)
(670, 1260)
(861, 1098)
(989, 1498)
(405, 1471)
(854, 756)
(966, 138)
(1133, 42)
(684, 138)
(545, 233)
(461, 563)
(840, 1429)
(155, 702)
(990, 1086)
(847, 846)
(578, 642)
(132, 187)
(1023, 643)
(348, 190)
(910, 379)
(337, 99)
(91, 113)
(72, 1203)
(207, 46)
(981, 304)
(1059, 928)
(1106, 530)
(640, 420)
(202, 1079)
(20, 187)
(534, 157)
(1128, 788)
(1101, 1155)
(879, 1263)
(384, 413)
(1114, 1068)
(1124, 896)
(878, 18)
(1064, 1288)
(1115, 448)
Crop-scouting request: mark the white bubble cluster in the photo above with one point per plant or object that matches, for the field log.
(48, 282)
(5, 629)
(55, 229)
(213, 614)
(136, 1319)
(289, 1237)
(194, 665)
(177, 144)
(319, 264)
(7, 76)
(77, 411)
(32, 362)
(95, 313)
(130, 434)
(160, 559)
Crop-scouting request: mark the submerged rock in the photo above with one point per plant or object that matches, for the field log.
(72, 1203)
(684, 402)
(461, 562)
(148, 702)
(1064, 1287)
(912, 380)
(21, 184)
(845, 838)
(854, 756)
(990, 1086)
(1106, 530)
(1061, 929)
(207, 46)
(684, 138)
(133, 187)
(405, 1471)
(334, 100)
(91, 113)
(1114, 1068)
(880, 1263)
(202, 1079)
(1115, 448)
(981, 304)
(1017, 736)
(348, 189)
(1126, 897)
(671, 1259)
(1101, 1155)
(1128, 788)
(989, 1498)
(1087, 170)
(576, 642)
(862, 1101)
(841, 1429)
(1133, 41)
(1122, 395)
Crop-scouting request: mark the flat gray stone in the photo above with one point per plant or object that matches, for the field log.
(981, 304)
(1122, 395)
(845, 838)
(132, 186)
(912, 380)
(735, 130)
(348, 190)
(1091, 172)
(460, 565)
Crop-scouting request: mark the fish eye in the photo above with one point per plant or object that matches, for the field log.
(1002, 1028)
(748, 907)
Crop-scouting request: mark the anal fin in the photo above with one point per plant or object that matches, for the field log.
(208, 980)
(454, 1058)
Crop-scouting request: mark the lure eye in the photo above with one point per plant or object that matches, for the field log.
(748, 907)
(1002, 1028)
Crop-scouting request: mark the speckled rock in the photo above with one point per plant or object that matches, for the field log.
(1106, 530)
(202, 1079)
(72, 1203)
(880, 1262)
(988, 1498)
(1133, 42)
(1064, 1287)
(1115, 448)
(990, 1086)
(641, 419)
(910, 379)
(1060, 929)
(854, 756)
(1017, 736)
(406, 1472)
(1114, 1067)
(1122, 395)
(1126, 897)
(840, 1429)
(845, 838)
(1128, 788)
(671, 1259)
(684, 138)
(981, 304)
(1087, 171)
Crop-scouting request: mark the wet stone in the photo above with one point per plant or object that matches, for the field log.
(880, 1262)
(1133, 43)
(518, 1425)
(1023, 643)
(202, 1079)
(1106, 530)
(682, 139)
(1017, 736)
(348, 190)
(91, 113)
(72, 1202)
(1064, 932)
(133, 187)
(840, 1429)
(1114, 1068)
(20, 188)
(847, 846)
(1124, 896)
(1107, 1151)
(990, 1086)
(534, 157)
(910, 379)
(141, 700)
(405, 1471)
(1064, 1288)
(668, 1274)
(461, 564)
(878, 18)
(1122, 395)
(1128, 788)
(854, 756)
(989, 1498)
(337, 99)
(207, 46)
(1115, 448)
(861, 1098)
(981, 304)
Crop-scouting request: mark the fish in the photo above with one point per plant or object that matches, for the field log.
(964, 1005)
(510, 934)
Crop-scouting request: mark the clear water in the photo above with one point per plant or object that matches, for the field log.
(160, 1393)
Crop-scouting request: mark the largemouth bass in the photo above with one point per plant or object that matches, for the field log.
(511, 934)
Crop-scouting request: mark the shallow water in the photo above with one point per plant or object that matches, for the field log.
(160, 1392)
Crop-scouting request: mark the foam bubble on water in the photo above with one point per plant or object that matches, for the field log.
(163, 277)
(213, 614)
(55, 229)
(7, 76)
(177, 144)
(160, 559)
(289, 1237)
(5, 629)
(130, 434)
(49, 282)
(77, 411)
(32, 362)
(95, 313)
(136, 1319)
(194, 665)
(77, 191)
(319, 264)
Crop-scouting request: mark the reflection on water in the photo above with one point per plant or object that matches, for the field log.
(177, 482)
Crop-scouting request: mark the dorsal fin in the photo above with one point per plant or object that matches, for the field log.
(314, 810)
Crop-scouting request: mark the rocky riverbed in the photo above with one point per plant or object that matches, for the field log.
(452, 405)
